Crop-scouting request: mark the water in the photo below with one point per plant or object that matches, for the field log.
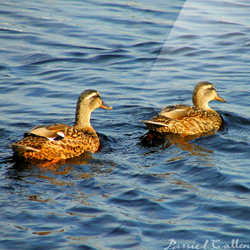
(140, 56)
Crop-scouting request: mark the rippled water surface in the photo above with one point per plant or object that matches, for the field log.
(140, 56)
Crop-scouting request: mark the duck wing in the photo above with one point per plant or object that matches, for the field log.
(38, 136)
(183, 119)
(168, 120)
(178, 111)
(56, 141)
(51, 132)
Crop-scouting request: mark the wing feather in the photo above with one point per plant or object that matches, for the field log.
(51, 132)
(178, 111)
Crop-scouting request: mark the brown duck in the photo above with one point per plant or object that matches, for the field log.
(189, 120)
(60, 141)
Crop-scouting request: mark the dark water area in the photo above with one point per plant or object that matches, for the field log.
(140, 56)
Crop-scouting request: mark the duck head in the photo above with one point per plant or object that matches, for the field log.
(88, 101)
(204, 92)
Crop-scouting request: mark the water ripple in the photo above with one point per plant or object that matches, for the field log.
(140, 56)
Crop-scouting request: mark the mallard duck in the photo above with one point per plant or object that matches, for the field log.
(189, 120)
(60, 141)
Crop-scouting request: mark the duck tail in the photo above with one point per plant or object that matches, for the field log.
(149, 122)
(19, 149)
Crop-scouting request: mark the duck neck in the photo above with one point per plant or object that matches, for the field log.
(82, 119)
(201, 103)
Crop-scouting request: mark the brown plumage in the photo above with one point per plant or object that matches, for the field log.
(189, 120)
(60, 141)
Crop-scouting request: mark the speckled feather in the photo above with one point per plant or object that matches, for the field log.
(197, 121)
(189, 120)
(75, 143)
(60, 141)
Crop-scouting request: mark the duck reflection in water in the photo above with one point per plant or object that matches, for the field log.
(152, 139)
(58, 168)
(81, 167)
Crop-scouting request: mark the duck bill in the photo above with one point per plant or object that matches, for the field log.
(105, 106)
(219, 98)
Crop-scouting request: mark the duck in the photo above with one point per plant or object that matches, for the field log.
(60, 141)
(188, 120)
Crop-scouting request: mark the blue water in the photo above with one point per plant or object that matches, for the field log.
(140, 56)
